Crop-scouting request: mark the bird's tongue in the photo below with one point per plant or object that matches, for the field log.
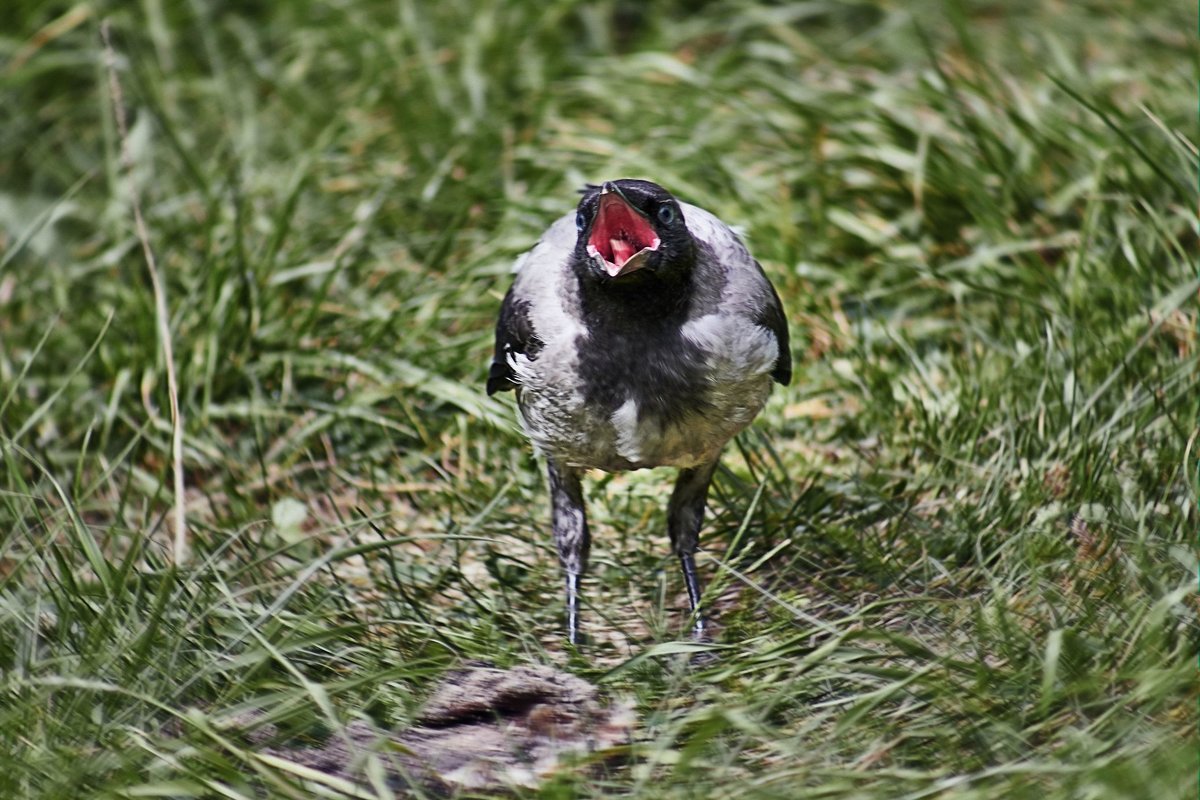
(620, 235)
(622, 250)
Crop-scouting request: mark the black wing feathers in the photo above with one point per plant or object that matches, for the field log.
(772, 319)
(514, 334)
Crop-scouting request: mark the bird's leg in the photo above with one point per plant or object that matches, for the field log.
(568, 518)
(685, 515)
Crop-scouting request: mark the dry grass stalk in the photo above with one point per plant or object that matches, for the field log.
(160, 298)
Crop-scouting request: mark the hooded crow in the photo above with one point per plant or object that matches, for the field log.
(638, 332)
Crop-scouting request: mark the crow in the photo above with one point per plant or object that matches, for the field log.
(639, 332)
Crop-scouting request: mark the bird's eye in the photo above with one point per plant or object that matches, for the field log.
(666, 214)
(580, 222)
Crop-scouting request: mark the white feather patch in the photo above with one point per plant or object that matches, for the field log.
(625, 426)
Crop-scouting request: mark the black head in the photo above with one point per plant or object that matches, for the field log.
(631, 230)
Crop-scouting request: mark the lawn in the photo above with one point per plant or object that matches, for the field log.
(956, 558)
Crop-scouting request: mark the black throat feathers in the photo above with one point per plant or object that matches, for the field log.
(634, 348)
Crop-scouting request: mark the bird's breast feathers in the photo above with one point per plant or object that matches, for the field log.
(646, 414)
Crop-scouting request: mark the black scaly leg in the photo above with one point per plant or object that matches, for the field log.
(568, 518)
(685, 515)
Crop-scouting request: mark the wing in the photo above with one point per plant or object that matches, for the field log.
(744, 285)
(514, 335)
(772, 319)
(534, 303)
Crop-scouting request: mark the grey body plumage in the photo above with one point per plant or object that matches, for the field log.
(638, 332)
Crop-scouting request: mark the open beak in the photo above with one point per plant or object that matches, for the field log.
(621, 238)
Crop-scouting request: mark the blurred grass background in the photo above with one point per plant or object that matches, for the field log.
(955, 559)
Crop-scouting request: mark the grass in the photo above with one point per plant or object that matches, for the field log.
(955, 559)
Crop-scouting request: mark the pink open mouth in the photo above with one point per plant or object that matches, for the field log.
(621, 237)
